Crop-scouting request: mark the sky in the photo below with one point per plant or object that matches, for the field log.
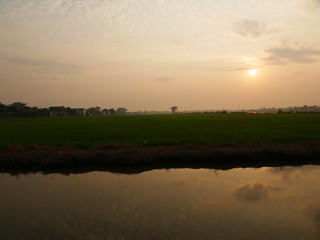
(154, 54)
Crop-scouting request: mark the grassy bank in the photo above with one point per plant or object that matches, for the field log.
(156, 130)
(136, 158)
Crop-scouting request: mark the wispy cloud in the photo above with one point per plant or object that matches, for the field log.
(312, 6)
(314, 3)
(254, 191)
(285, 55)
(250, 28)
(230, 69)
(312, 209)
(43, 64)
(317, 2)
(226, 64)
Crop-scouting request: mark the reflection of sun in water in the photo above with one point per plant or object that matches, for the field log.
(252, 72)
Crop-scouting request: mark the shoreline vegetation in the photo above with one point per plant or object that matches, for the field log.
(129, 143)
(22, 110)
(131, 159)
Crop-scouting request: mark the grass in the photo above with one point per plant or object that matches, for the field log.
(156, 130)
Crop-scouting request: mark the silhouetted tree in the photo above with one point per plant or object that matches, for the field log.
(280, 111)
(174, 109)
(106, 111)
(19, 103)
(2, 107)
(70, 111)
(112, 111)
(121, 111)
(94, 111)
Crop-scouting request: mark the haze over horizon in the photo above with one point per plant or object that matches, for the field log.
(151, 55)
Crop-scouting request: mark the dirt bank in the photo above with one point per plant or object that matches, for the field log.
(136, 158)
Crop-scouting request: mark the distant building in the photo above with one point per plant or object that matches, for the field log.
(15, 107)
(57, 111)
(80, 111)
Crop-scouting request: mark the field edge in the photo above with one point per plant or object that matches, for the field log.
(128, 158)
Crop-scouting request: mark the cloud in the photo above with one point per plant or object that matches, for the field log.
(250, 28)
(286, 55)
(289, 173)
(254, 191)
(223, 64)
(38, 63)
(312, 6)
(312, 209)
(46, 65)
(294, 173)
(230, 69)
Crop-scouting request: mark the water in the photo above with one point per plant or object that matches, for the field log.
(265, 203)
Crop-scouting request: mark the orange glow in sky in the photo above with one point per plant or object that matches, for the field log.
(151, 55)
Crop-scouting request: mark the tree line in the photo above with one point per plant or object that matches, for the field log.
(19, 109)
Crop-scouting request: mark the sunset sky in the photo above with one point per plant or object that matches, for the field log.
(153, 54)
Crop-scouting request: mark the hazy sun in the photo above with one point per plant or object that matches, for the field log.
(252, 72)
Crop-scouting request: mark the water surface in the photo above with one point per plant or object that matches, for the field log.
(265, 203)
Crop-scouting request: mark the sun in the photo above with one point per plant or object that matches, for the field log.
(252, 72)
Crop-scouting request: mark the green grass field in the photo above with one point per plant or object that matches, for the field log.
(160, 129)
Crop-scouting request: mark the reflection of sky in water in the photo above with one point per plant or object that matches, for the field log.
(266, 203)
